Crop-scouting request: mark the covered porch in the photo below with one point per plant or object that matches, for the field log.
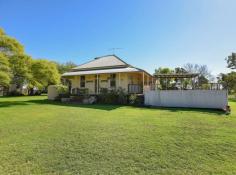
(131, 82)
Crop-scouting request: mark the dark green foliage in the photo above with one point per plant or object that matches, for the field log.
(14, 93)
(229, 81)
(180, 70)
(231, 61)
(112, 96)
(164, 83)
(62, 91)
(136, 100)
(202, 80)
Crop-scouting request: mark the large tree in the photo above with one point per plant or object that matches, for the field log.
(231, 61)
(8, 45)
(228, 81)
(12, 55)
(4, 71)
(65, 67)
(180, 70)
(20, 69)
(205, 75)
(164, 83)
(44, 73)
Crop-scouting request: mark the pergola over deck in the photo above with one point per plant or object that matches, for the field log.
(187, 75)
(178, 76)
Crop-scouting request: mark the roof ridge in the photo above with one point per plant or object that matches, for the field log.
(104, 56)
(97, 58)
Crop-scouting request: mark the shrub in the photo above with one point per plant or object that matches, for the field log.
(136, 100)
(61, 89)
(112, 96)
(122, 96)
(63, 92)
(14, 93)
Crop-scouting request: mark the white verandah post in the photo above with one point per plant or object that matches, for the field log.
(119, 80)
(97, 84)
(143, 82)
(152, 86)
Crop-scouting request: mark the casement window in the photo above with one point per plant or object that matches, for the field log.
(113, 80)
(82, 81)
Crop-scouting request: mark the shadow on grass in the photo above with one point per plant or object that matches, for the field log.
(200, 110)
(107, 107)
(12, 103)
(48, 102)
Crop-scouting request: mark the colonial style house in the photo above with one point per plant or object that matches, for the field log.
(108, 72)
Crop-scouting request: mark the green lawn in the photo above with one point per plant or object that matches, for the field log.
(41, 137)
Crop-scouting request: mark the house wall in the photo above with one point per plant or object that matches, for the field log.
(104, 81)
(122, 80)
(89, 83)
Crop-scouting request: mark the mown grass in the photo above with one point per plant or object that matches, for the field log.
(42, 137)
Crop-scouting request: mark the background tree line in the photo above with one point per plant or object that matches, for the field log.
(229, 79)
(19, 69)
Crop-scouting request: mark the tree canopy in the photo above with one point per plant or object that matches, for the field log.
(65, 67)
(19, 69)
(164, 83)
(205, 75)
(229, 81)
(44, 73)
(9, 45)
(4, 71)
(231, 61)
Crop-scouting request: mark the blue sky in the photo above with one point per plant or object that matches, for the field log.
(152, 33)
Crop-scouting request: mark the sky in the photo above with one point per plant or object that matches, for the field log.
(151, 33)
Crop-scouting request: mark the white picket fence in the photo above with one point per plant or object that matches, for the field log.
(217, 99)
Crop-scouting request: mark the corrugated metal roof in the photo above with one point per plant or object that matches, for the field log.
(102, 71)
(105, 61)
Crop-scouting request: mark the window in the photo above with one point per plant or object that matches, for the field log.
(131, 79)
(82, 81)
(113, 80)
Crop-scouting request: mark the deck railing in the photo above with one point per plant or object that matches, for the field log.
(135, 89)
